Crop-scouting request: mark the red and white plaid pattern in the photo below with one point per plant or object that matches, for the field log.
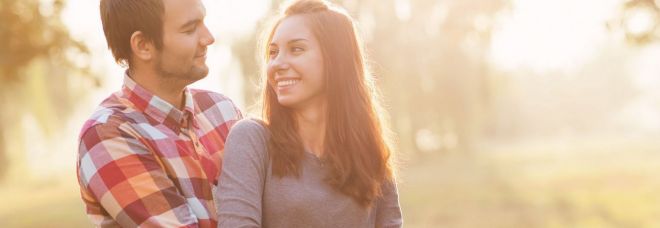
(143, 162)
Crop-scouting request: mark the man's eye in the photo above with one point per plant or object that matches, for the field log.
(191, 30)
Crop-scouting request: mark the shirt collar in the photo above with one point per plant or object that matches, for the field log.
(157, 108)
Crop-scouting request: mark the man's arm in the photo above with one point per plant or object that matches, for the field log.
(122, 180)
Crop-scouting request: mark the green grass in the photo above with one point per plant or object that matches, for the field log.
(53, 203)
(586, 184)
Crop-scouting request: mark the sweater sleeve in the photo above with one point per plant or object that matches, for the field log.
(388, 213)
(241, 182)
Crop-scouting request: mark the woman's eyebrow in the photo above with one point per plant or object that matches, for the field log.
(297, 40)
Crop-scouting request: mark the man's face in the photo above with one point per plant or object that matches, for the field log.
(185, 41)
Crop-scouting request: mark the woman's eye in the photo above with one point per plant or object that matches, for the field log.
(296, 49)
(272, 53)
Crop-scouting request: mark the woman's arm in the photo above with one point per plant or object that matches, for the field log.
(388, 213)
(241, 182)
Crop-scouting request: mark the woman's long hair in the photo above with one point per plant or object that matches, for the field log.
(356, 149)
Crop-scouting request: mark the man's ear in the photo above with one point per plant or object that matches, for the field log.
(142, 47)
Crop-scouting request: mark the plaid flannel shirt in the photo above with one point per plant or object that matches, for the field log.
(142, 162)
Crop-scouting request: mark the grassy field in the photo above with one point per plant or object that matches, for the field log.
(569, 184)
(53, 203)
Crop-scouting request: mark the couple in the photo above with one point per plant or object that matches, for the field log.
(158, 154)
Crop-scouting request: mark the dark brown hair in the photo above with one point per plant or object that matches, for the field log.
(356, 148)
(122, 18)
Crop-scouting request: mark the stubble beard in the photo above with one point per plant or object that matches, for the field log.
(184, 75)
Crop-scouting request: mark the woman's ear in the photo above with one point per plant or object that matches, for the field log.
(142, 48)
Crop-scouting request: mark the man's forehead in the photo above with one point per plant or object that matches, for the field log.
(181, 11)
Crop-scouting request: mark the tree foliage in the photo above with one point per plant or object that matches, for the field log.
(36, 63)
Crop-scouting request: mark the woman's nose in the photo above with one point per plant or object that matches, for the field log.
(279, 64)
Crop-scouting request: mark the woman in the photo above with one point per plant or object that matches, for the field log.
(320, 156)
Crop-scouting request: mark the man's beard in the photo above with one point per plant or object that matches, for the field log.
(187, 75)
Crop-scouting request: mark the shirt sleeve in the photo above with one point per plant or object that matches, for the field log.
(388, 213)
(123, 183)
(241, 182)
(239, 113)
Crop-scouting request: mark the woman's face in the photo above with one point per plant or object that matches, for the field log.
(295, 64)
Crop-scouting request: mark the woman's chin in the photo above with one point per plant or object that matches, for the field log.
(286, 102)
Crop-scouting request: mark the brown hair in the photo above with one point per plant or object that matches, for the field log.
(355, 147)
(122, 18)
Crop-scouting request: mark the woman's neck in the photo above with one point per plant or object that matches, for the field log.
(311, 128)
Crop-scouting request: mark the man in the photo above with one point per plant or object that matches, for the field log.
(151, 154)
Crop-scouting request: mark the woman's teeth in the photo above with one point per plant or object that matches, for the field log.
(287, 82)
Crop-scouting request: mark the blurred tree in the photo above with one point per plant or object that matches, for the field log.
(37, 56)
(431, 60)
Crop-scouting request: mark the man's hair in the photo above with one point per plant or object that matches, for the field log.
(122, 18)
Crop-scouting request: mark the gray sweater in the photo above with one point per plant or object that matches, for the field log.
(248, 195)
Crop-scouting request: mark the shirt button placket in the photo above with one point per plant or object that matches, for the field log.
(195, 141)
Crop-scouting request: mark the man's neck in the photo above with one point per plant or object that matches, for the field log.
(171, 91)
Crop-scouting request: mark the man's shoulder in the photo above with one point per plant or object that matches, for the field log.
(208, 98)
(215, 104)
(110, 114)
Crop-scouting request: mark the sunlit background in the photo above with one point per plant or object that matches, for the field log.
(508, 113)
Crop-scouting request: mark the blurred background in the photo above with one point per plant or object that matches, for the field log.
(508, 113)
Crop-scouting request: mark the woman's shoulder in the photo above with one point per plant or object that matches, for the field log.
(249, 127)
(247, 140)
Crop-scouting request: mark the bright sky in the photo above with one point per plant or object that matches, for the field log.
(552, 35)
(563, 35)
